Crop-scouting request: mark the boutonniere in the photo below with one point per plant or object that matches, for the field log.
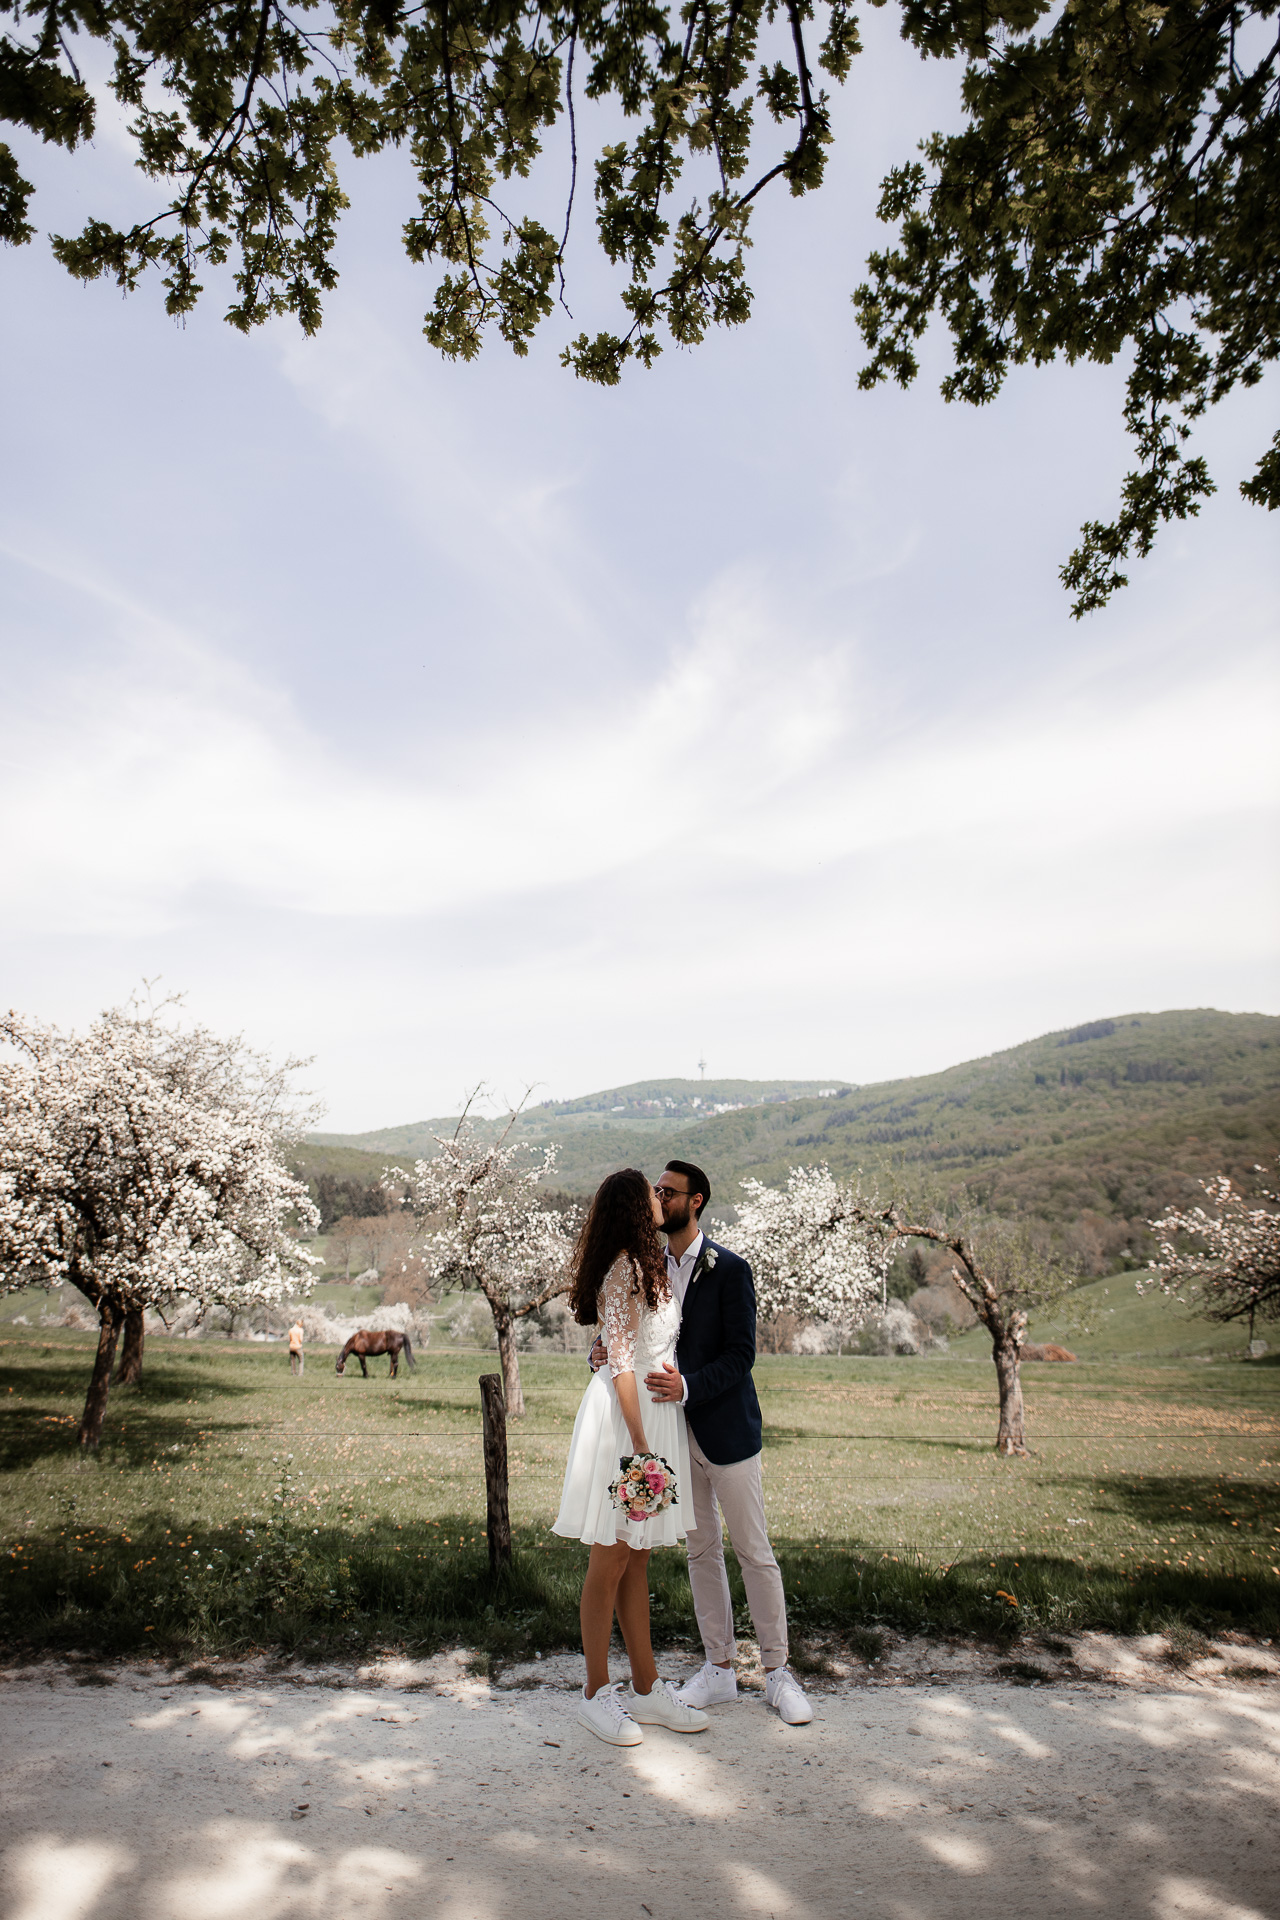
(707, 1258)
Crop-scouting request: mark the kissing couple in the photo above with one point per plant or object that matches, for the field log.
(672, 1411)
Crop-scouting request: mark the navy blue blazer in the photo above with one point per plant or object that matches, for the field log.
(716, 1352)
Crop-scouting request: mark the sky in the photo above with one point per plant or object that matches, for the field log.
(452, 724)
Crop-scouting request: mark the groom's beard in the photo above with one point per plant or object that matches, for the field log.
(675, 1220)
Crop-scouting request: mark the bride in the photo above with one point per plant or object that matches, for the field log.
(620, 1283)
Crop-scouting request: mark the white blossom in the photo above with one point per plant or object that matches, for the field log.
(1230, 1270)
(811, 1252)
(141, 1162)
(485, 1227)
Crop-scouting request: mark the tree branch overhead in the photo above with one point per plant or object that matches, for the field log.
(1113, 192)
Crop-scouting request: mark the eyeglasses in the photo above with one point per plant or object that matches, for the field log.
(672, 1193)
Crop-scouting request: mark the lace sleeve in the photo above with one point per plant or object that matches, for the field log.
(622, 1302)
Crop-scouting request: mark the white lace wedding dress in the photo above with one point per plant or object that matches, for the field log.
(638, 1342)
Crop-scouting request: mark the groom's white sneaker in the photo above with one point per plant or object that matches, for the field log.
(663, 1707)
(783, 1692)
(608, 1719)
(711, 1686)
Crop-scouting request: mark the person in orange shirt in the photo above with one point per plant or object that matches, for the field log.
(297, 1359)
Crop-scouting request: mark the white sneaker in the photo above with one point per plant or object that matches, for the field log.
(663, 1707)
(608, 1719)
(711, 1686)
(783, 1692)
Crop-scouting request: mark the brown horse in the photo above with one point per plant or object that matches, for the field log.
(366, 1345)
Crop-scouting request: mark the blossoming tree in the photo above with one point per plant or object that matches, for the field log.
(485, 1227)
(1003, 1272)
(810, 1252)
(141, 1162)
(1224, 1262)
(821, 1248)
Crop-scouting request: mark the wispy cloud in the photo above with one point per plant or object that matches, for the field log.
(164, 770)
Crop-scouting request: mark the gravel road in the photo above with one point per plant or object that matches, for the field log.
(136, 1794)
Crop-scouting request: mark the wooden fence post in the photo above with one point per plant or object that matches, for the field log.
(495, 1470)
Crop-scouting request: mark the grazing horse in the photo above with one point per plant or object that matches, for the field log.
(366, 1345)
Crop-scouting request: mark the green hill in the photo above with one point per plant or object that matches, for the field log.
(661, 1101)
(646, 1108)
(1092, 1129)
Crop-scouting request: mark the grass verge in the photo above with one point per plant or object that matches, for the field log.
(233, 1507)
(334, 1594)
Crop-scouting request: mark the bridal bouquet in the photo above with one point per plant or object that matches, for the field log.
(645, 1486)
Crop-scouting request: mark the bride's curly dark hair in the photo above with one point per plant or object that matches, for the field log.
(620, 1221)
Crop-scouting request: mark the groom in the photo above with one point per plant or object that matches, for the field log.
(712, 1377)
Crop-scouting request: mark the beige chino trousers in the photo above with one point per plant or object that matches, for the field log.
(735, 1492)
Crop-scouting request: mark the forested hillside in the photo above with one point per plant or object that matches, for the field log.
(1092, 1130)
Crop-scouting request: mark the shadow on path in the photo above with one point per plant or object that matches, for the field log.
(187, 1803)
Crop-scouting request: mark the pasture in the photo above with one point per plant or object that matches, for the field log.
(234, 1507)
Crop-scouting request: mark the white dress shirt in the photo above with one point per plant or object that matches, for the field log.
(679, 1273)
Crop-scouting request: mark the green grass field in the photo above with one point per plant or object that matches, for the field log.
(343, 1300)
(232, 1506)
(1109, 1320)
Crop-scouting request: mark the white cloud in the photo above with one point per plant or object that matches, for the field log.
(746, 838)
(164, 769)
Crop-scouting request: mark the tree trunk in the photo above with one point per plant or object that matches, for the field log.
(129, 1372)
(510, 1369)
(110, 1321)
(1005, 1351)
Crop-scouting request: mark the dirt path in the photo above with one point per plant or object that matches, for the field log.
(425, 1792)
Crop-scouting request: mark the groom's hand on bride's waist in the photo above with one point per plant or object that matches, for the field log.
(666, 1383)
(598, 1355)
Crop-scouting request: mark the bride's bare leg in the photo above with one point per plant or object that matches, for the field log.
(606, 1570)
(632, 1605)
